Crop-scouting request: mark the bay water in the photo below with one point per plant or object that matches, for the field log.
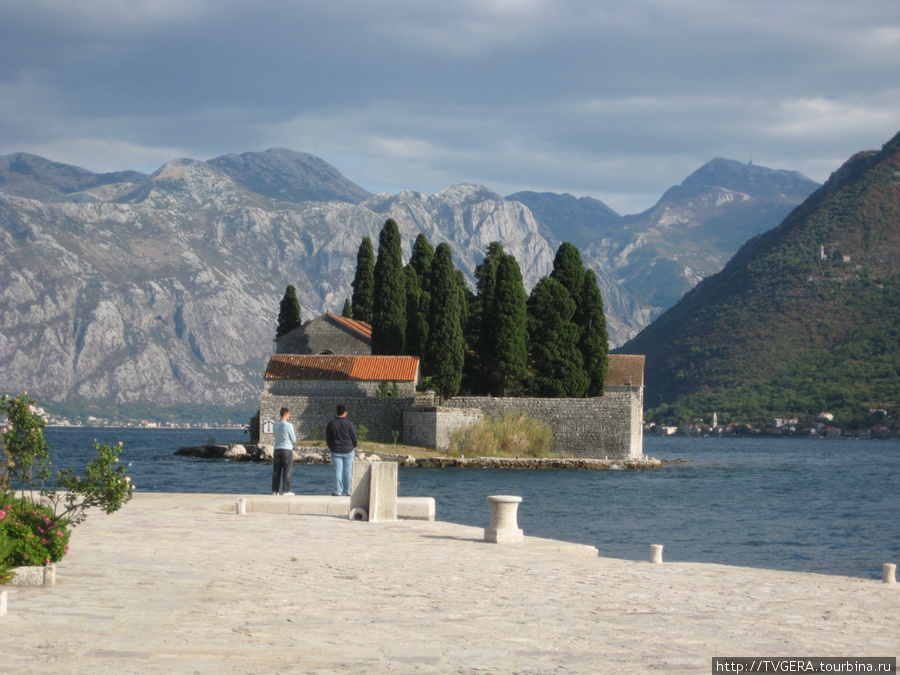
(811, 505)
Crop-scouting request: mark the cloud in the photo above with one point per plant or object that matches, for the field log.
(619, 100)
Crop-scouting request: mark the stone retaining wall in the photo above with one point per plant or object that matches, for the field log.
(382, 416)
(609, 426)
(433, 428)
(345, 388)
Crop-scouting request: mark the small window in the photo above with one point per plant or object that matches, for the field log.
(326, 352)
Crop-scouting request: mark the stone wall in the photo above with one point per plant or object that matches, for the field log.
(608, 426)
(321, 336)
(338, 388)
(382, 416)
(432, 428)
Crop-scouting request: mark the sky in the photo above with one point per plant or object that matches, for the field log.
(614, 99)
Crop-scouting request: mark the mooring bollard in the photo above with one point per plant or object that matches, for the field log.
(889, 573)
(504, 527)
(241, 506)
(656, 553)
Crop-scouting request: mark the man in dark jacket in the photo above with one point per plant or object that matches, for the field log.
(340, 437)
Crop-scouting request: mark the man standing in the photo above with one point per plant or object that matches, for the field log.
(340, 437)
(283, 458)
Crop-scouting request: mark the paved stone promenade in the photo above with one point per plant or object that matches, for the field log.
(175, 584)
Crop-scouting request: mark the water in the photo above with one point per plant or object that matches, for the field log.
(829, 506)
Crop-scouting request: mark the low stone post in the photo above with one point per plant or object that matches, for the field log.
(504, 527)
(241, 508)
(889, 573)
(656, 553)
(2, 603)
(374, 491)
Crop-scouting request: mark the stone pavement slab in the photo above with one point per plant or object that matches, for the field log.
(180, 584)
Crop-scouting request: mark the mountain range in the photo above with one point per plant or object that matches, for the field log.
(804, 319)
(125, 288)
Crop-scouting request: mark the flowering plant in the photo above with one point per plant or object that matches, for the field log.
(37, 524)
(35, 539)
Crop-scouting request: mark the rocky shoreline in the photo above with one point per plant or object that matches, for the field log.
(236, 452)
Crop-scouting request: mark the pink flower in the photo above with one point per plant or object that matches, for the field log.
(40, 530)
(48, 561)
(2, 514)
(59, 534)
(43, 541)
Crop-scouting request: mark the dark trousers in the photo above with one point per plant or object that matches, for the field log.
(282, 464)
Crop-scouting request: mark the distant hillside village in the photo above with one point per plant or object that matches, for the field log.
(53, 420)
(821, 428)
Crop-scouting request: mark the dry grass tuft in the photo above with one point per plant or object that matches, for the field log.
(514, 435)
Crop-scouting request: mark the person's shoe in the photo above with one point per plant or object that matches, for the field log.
(347, 494)
(274, 494)
(288, 494)
(335, 494)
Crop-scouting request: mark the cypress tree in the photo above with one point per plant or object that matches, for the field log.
(364, 282)
(480, 323)
(508, 371)
(347, 312)
(445, 349)
(594, 342)
(568, 269)
(417, 296)
(556, 361)
(421, 258)
(288, 312)
(389, 303)
(416, 314)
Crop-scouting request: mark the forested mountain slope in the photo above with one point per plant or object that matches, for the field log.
(804, 319)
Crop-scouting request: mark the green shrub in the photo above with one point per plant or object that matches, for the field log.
(514, 435)
(387, 390)
(34, 526)
(362, 433)
(6, 548)
(37, 538)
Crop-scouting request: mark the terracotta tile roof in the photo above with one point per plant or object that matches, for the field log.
(360, 327)
(366, 368)
(626, 369)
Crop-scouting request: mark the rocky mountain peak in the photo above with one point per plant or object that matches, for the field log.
(290, 176)
(467, 193)
(191, 183)
(33, 177)
(756, 181)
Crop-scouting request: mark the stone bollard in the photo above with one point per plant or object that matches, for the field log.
(2, 603)
(504, 527)
(374, 490)
(656, 553)
(241, 508)
(889, 573)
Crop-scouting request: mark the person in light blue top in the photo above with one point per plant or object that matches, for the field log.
(283, 457)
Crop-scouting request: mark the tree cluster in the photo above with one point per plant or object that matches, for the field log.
(498, 341)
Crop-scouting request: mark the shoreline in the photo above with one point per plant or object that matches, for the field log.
(241, 452)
